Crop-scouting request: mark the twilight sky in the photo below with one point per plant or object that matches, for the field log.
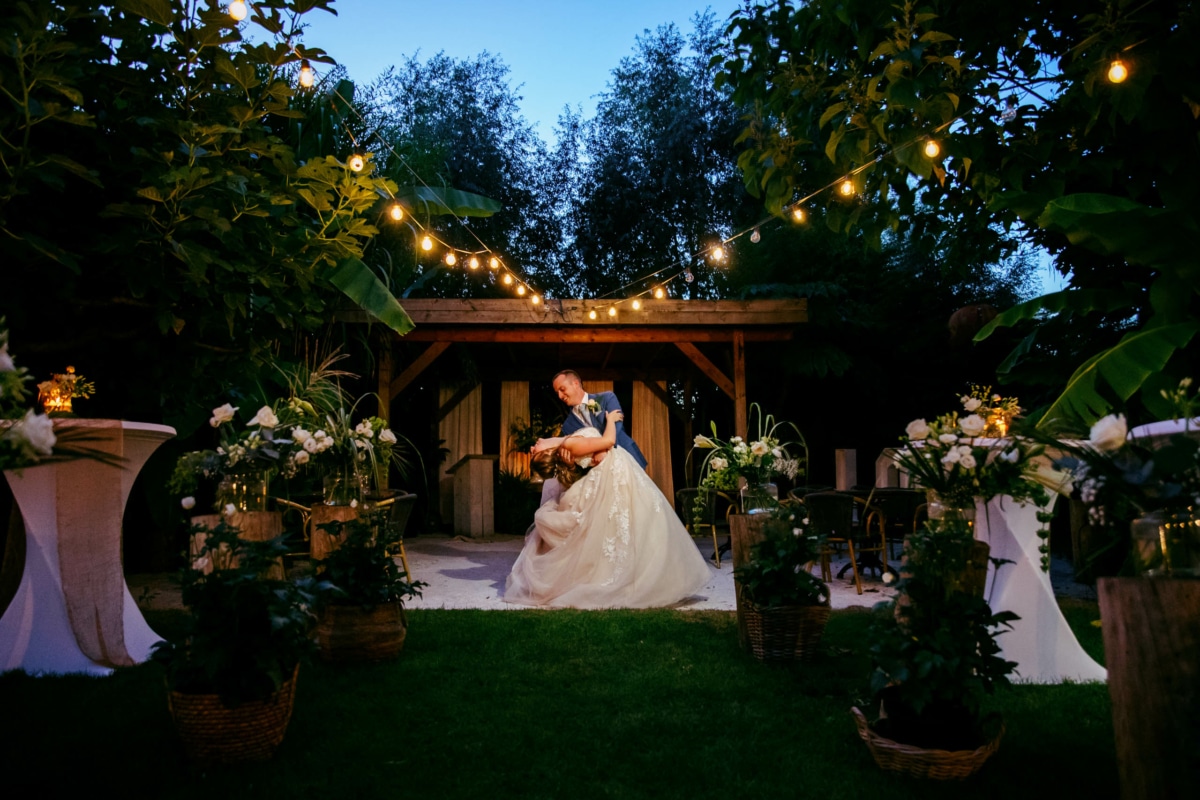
(560, 52)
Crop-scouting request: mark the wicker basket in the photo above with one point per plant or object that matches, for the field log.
(791, 633)
(938, 765)
(349, 634)
(215, 733)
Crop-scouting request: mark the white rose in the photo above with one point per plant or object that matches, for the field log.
(967, 461)
(797, 532)
(222, 415)
(265, 417)
(1109, 433)
(202, 564)
(888, 577)
(740, 447)
(6, 362)
(188, 502)
(971, 403)
(364, 429)
(952, 457)
(973, 425)
(759, 448)
(804, 521)
(735, 440)
(300, 436)
(718, 463)
(917, 429)
(947, 438)
(312, 445)
(301, 457)
(386, 436)
(37, 431)
(354, 504)
(230, 509)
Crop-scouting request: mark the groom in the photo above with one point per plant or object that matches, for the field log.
(569, 388)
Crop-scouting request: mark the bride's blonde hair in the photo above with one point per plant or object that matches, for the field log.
(550, 463)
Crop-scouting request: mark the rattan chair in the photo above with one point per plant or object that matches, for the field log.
(685, 504)
(401, 508)
(831, 514)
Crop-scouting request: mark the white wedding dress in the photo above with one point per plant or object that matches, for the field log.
(610, 541)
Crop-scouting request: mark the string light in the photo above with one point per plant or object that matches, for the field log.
(493, 263)
(237, 10)
(427, 244)
(307, 76)
(659, 293)
(718, 253)
(1117, 71)
(756, 237)
(688, 276)
(473, 262)
(396, 211)
(592, 314)
(508, 279)
(451, 259)
(356, 163)
(637, 304)
(535, 299)
(521, 290)
(798, 214)
(846, 187)
(612, 311)
(932, 148)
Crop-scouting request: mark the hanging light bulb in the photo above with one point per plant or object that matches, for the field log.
(493, 263)
(755, 236)
(508, 280)
(612, 311)
(237, 10)
(396, 211)
(451, 259)
(1117, 71)
(1010, 109)
(688, 276)
(798, 214)
(592, 314)
(846, 187)
(426, 244)
(307, 76)
(637, 304)
(932, 148)
(473, 262)
(718, 253)
(659, 293)
(356, 162)
(535, 299)
(521, 291)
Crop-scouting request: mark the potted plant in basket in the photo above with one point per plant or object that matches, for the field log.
(784, 606)
(232, 677)
(362, 618)
(935, 659)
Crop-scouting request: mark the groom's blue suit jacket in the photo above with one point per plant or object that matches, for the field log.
(608, 402)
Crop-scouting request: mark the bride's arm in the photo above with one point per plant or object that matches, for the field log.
(580, 446)
(546, 444)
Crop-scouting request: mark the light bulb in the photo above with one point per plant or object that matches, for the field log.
(592, 314)
(756, 237)
(659, 293)
(535, 299)
(637, 304)
(688, 276)
(493, 263)
(307, 76)
(521, 291)
(932, 148)
(237, 10)
(473, 262)
(798, 214)
(396, 211)
(427, 244)
(847, 188)
(1117, 71)
(718, 253)
(508, 280)
(612, 311)
(451, 259)
(356, 162)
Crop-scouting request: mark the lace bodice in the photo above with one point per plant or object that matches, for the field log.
(586, 462)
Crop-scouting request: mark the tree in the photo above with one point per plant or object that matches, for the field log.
(1032, 138)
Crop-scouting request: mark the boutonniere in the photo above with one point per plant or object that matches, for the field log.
(593, 406)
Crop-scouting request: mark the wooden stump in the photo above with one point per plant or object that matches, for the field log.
(253, 526)
(745, 531)
(1152, 649)
(322, 543)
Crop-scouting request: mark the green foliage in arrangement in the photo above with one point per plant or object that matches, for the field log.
(1032, 139)
(361, 569)
(778, 574)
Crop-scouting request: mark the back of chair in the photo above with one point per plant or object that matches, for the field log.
(685, 503)
(831, 513)
(899, 507)
(401, 510)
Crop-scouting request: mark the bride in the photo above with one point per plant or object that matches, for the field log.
(611, 540)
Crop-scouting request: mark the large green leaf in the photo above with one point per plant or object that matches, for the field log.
(1123, 367)
(359, 283)
(1079, 301)
(445, 200)
(159, 11)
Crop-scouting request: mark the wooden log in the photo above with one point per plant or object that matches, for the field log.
(745, 531)
(1152, 649)
(253, 526)
(321, 542)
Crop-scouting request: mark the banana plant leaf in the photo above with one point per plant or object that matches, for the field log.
(446, 200)
(1123, 367)
(360, 284)
(1081, 301)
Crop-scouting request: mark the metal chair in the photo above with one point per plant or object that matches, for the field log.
(401, 508)
(871, 535)
(902, 512)
(831, 514)
(685, 504)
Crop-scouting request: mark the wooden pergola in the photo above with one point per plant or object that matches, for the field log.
(632, 343)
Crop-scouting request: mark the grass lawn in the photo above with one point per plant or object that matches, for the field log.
(555, 704)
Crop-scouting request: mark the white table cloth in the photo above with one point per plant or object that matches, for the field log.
(72, 611)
